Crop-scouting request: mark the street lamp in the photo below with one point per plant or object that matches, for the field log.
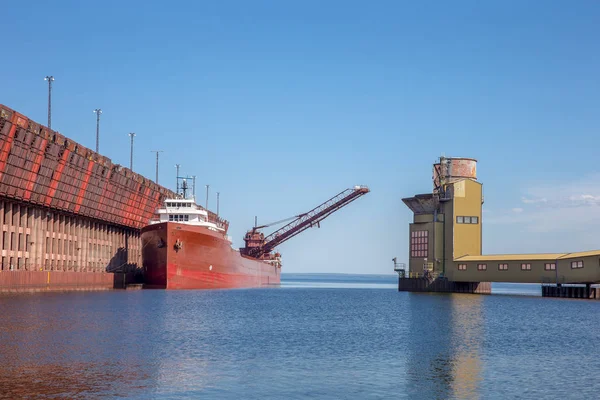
(98, 111)
(50, 79)
(131, 135)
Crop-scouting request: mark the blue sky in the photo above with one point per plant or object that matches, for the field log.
(281, 105)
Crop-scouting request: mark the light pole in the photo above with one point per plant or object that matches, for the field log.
(98, 111)
(217, 204)
(194, 187)
(177, 179)
(131, 135)
(50, 79)
(156, 151)
(207, 186)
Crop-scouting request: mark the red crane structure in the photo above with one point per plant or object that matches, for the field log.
(259, 246)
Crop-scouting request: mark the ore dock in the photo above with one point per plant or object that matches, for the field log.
(70, 217)
(445, 245)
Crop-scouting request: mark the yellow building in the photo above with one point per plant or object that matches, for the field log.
(445, 237)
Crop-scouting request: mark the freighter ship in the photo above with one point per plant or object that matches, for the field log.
(183, 249)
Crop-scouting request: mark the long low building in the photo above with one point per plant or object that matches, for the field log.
(445, 237)
(580, 267)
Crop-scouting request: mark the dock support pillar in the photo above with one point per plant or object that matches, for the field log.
(442, 285)
(571, 292)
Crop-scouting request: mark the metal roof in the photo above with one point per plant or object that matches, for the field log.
(578, 254)
(421, 203)
(529, 257)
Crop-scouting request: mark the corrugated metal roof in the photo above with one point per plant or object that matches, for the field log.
(529, 257)
(511, 257)
(590, 253)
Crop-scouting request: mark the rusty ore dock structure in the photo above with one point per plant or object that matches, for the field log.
(70, 218)
(445, 245)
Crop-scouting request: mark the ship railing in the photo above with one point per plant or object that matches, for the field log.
(399, 267)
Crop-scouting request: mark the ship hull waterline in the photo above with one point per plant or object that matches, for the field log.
(180, 256)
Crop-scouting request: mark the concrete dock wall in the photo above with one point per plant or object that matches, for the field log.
(17, 281)
(442, 285)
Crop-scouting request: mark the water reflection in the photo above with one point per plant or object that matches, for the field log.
(325, 343)
(443, 346)
(69, 345)
(467, 338)
(70, 380)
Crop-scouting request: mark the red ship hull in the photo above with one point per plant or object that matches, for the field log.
(180, 256)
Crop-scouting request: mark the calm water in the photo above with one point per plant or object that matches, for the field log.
(328, 337)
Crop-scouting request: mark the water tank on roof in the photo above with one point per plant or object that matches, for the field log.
(451, 169)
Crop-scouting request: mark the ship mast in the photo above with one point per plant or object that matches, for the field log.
(183, 188)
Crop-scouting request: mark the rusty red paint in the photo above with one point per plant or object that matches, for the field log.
(38, 173)
(7, 145)
(56, 179)
(37, 164)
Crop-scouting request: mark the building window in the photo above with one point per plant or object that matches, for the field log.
(550, 266)
(467, 220)
(525, 267)
(481, 267)
(186, 217)
(576, 264)
(503, 267)
(170, 218)
(462, 267)
(419, 243)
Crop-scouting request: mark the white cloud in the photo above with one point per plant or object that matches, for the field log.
(585, 199)
(560, 206)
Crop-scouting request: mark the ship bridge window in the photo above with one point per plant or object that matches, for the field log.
(179, 218)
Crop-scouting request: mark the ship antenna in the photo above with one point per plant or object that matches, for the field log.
(184, 188)
(177, 179)
(194, 187)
